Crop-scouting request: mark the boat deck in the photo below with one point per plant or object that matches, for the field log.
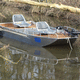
(57, 35)
(11, 26)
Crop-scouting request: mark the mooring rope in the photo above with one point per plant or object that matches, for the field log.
(68, 41)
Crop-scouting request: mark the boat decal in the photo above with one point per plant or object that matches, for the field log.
(37, 40)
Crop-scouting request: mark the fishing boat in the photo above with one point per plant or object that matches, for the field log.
(37, 33)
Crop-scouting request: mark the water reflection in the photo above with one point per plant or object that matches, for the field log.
(25, 62)
(19, 64)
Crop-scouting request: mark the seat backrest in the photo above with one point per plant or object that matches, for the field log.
(18, 18)
(42, 26)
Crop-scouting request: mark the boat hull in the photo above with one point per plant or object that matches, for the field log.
(63, 41)
(34, 40)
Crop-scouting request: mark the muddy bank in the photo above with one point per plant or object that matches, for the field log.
(73, 18)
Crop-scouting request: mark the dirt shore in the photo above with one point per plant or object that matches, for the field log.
(11, 7)
(74, 18)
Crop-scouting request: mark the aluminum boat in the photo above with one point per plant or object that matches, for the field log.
(37, 33)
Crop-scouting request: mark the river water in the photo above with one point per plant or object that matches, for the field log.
(20, 61)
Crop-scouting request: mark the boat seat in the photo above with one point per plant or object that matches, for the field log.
(44, 28)
(19, 21)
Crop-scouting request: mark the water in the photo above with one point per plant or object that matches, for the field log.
(21, 61)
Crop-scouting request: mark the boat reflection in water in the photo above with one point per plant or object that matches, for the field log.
(25, 62)
(30, 64)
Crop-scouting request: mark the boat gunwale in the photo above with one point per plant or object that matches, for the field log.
(9, 29)
(13, 31)
(22, 34)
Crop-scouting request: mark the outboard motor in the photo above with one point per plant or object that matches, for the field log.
(74, 32)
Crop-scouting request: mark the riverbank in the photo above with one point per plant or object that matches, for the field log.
(73, 18)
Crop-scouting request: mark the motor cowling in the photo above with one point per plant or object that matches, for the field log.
(59, 27)
(75, 33)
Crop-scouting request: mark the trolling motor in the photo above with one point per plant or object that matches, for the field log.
(72, 32)
(75, 32)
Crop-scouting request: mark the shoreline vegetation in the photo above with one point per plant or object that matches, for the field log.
(7, 9)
